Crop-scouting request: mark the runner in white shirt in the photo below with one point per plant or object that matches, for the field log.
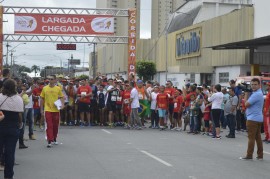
(154, 113)
(134, 104)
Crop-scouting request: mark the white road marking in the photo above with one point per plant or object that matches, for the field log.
(266, 152)
(129, 143)
(192, 177)
(156, 158)
(108, 132)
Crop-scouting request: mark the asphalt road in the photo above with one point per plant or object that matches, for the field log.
(102, 153)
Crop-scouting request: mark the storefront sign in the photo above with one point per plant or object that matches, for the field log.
(188, 43)
(132, 42)
(63, 24)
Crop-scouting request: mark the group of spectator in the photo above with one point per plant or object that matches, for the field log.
(127, 103)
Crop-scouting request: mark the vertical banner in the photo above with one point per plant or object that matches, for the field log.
(1, 41)
(132, 41)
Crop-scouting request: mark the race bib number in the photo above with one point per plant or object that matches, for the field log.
(113, 98)
(126, 101)
(83, 93)
(119, 99)
(175, 105)
(140, 96)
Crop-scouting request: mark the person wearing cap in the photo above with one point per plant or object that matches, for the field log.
(50, 94)
(266, 115)
(143, 96)
(169, 90)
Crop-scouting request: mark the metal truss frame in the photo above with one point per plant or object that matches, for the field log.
(55, 10)
(66, 39)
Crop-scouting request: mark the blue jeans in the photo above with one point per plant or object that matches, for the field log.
(8, 141)
(28, 116)
(223, 119)
(194, 123)
(231, 123)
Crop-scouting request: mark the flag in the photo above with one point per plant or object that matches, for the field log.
(144, 109)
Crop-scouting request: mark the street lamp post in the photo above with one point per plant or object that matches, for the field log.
(12, 50)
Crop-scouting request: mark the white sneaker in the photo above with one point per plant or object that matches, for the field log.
(173, 129)
(179, 129)
(2, 168)
(55, 143)
(49, 145)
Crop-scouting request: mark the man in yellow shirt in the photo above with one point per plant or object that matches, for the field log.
(49, 95)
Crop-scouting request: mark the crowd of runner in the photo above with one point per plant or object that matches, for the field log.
(113, 102)
(108, 104)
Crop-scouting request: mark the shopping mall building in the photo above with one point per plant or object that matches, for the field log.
(202, 45)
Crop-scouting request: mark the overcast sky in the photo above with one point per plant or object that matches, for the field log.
(43, 54)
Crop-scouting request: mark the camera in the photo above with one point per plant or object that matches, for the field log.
(245, 87)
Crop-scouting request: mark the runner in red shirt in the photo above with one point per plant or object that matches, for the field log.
(169, 90)
(177, 110)
(192, 91)
(126, 106)
(84, 92)
(162, 106)
(36, 104)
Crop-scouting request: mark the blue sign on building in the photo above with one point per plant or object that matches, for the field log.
(188, 44)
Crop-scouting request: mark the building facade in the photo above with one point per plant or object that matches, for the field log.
(161, 10)
(121, 23)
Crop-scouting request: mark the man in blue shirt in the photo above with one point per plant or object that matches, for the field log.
(254, 104)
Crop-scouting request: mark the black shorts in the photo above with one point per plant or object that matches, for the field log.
(118, 106)
(171, 106)
(111, 106)
(175, 115)
(101, 106)
(206, 124)
(216, 114)
(84, 107)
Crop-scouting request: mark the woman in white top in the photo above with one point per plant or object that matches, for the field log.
(11, 105)
(216, 99)
(154, 113)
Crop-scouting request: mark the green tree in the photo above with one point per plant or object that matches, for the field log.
(35, 68)
(24, 69)
(82, 77)
(145, 69)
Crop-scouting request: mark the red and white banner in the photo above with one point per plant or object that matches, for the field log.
(63, 24)
(132, 42)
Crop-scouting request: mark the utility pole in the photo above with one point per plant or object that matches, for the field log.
(7, 54)
(94, 60)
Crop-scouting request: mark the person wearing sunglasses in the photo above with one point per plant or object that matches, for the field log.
(49, 95)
